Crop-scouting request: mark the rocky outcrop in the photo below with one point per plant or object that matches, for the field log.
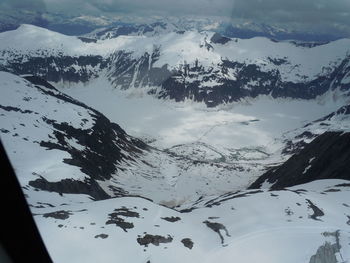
(153, 239)
(103, 143)
(56, 68)
(326, 157)
(219, 39)
(297, 139)
(189, 80)
(327, 252)
(187, 242)
(69, 186)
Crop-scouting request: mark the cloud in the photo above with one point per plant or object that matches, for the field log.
(301, 11)
(278, 11)
(28, 5)
(321, 14)
(162, 7)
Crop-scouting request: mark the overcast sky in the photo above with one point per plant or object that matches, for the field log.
(309, 12)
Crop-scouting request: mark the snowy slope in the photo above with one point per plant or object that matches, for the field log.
(60, 145)
(31, 39)
(294, 224)
(57, 143)
(337, 121)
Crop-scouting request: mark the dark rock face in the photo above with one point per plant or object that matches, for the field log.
(187, 243)
(218, 200)
(58, 214)
(217, 227)
(296, 144)
(171, 219)
(326, 157)
(219, 39)
(10, 108)
(153, 239)
(56, 68)
(317, 212)
(125, 212)
(294, 148)
(88, 40)
(117, 218)
(105, 138)
(103, 236)
(126, 70)
(327, 252)
(104, 141)
(180, 83)
(70, 186)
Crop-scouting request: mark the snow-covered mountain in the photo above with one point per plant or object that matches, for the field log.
(59, 144)
(62, 146)
(337, 121)
(201, 66)
(325, 157)
(177, 186)
(319, 150)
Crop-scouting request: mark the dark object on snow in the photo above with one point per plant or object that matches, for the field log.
(171, 219)
(62, 214)
(216, 227)
(21, 241)
(187, 243)
(153, 239)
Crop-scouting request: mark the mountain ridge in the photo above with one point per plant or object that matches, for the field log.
(183, 66)
(325, 157)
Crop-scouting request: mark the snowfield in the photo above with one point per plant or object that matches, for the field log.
(164, 124)
(251, 226)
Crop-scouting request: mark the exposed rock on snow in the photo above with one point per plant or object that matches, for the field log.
(330, 155)
(327, 253)
(153, 239)
(257, 221)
